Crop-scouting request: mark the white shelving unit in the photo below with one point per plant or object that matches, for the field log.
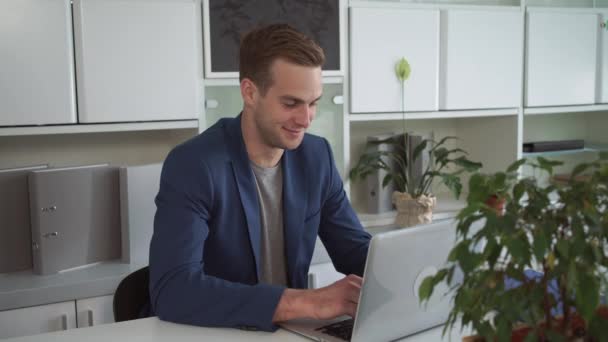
(476, 126)
(96, 128)
(565, 109)
(432, 115)
(131, 72)
(490, 118)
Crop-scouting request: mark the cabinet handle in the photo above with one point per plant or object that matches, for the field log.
(90, 317)
(64, 322)
(211, 103)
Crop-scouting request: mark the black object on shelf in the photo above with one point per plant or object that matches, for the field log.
(556, 145)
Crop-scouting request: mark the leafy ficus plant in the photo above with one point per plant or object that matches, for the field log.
(542, 264)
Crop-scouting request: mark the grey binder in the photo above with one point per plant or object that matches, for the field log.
(378, 197)
(15, 237)
(138, 188)
(75, 216)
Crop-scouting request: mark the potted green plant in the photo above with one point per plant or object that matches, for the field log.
(537, 272)
(413, 198)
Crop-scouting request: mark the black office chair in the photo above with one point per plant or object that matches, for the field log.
(131, 296)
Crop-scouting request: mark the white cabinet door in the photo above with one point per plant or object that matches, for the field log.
(379, 38)
(37, 319)
(481, 59)
(561, 58)
(603, 81)
(94, 311)
(137, 60)
(36, 63)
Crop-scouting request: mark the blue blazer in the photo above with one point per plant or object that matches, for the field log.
(205, 250)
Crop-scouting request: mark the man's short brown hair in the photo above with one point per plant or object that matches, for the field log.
(262, 46)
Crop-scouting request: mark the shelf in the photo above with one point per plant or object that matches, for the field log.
(24, 288)
(447, 207)
(94, 128)
(447, 114)
(214, 82)
(566, 109)
(569, 6)
(591, 148)
(507, 5)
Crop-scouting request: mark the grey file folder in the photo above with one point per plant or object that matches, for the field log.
(75, 214)
(15, 236)
(379, 197)
(138, 188)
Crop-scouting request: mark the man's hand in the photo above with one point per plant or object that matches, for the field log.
(338, 299)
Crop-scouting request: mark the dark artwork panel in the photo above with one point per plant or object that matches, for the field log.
(230, 19)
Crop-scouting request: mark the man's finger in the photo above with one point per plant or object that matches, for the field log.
(351, 309)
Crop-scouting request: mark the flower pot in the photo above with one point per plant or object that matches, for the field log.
(497, 203)
(576, 330)
(413, 211)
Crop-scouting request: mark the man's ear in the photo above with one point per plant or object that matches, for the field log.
(249, 92)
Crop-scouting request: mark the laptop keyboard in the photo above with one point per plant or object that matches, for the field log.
(342, 329)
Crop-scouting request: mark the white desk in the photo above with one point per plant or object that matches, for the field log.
(153, 330)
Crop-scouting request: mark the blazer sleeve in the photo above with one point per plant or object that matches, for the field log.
(340, 230)
(180, 291)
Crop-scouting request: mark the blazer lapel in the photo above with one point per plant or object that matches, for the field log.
(294, 209)
(244, 178)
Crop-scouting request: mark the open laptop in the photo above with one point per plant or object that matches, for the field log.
(389, 307)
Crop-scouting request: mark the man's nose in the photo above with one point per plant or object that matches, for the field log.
(304, 116)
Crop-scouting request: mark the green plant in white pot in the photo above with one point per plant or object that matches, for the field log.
(413, 197)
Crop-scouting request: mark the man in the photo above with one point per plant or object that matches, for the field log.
(240, 206)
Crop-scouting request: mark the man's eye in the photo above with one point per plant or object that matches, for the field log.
(289, 104)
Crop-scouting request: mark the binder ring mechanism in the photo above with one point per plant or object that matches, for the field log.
(49, 209)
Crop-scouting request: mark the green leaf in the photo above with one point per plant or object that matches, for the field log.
(518, 191)
(563, 248)
(503, 330)
(443, 140)
(532, 337)
(440, 154)
(516, 165)
(387, 179)
(540, 246)
(518, 248)
(426, 288)
(419, 148)
(494, 255)
(548, 165)
(452, 182)
(597, 328)
(587, 294)
(572, 276)
(469, 166)
(554, 336)
(499, 180)
(580, 168)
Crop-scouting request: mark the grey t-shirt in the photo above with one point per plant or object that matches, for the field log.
(269, 183)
